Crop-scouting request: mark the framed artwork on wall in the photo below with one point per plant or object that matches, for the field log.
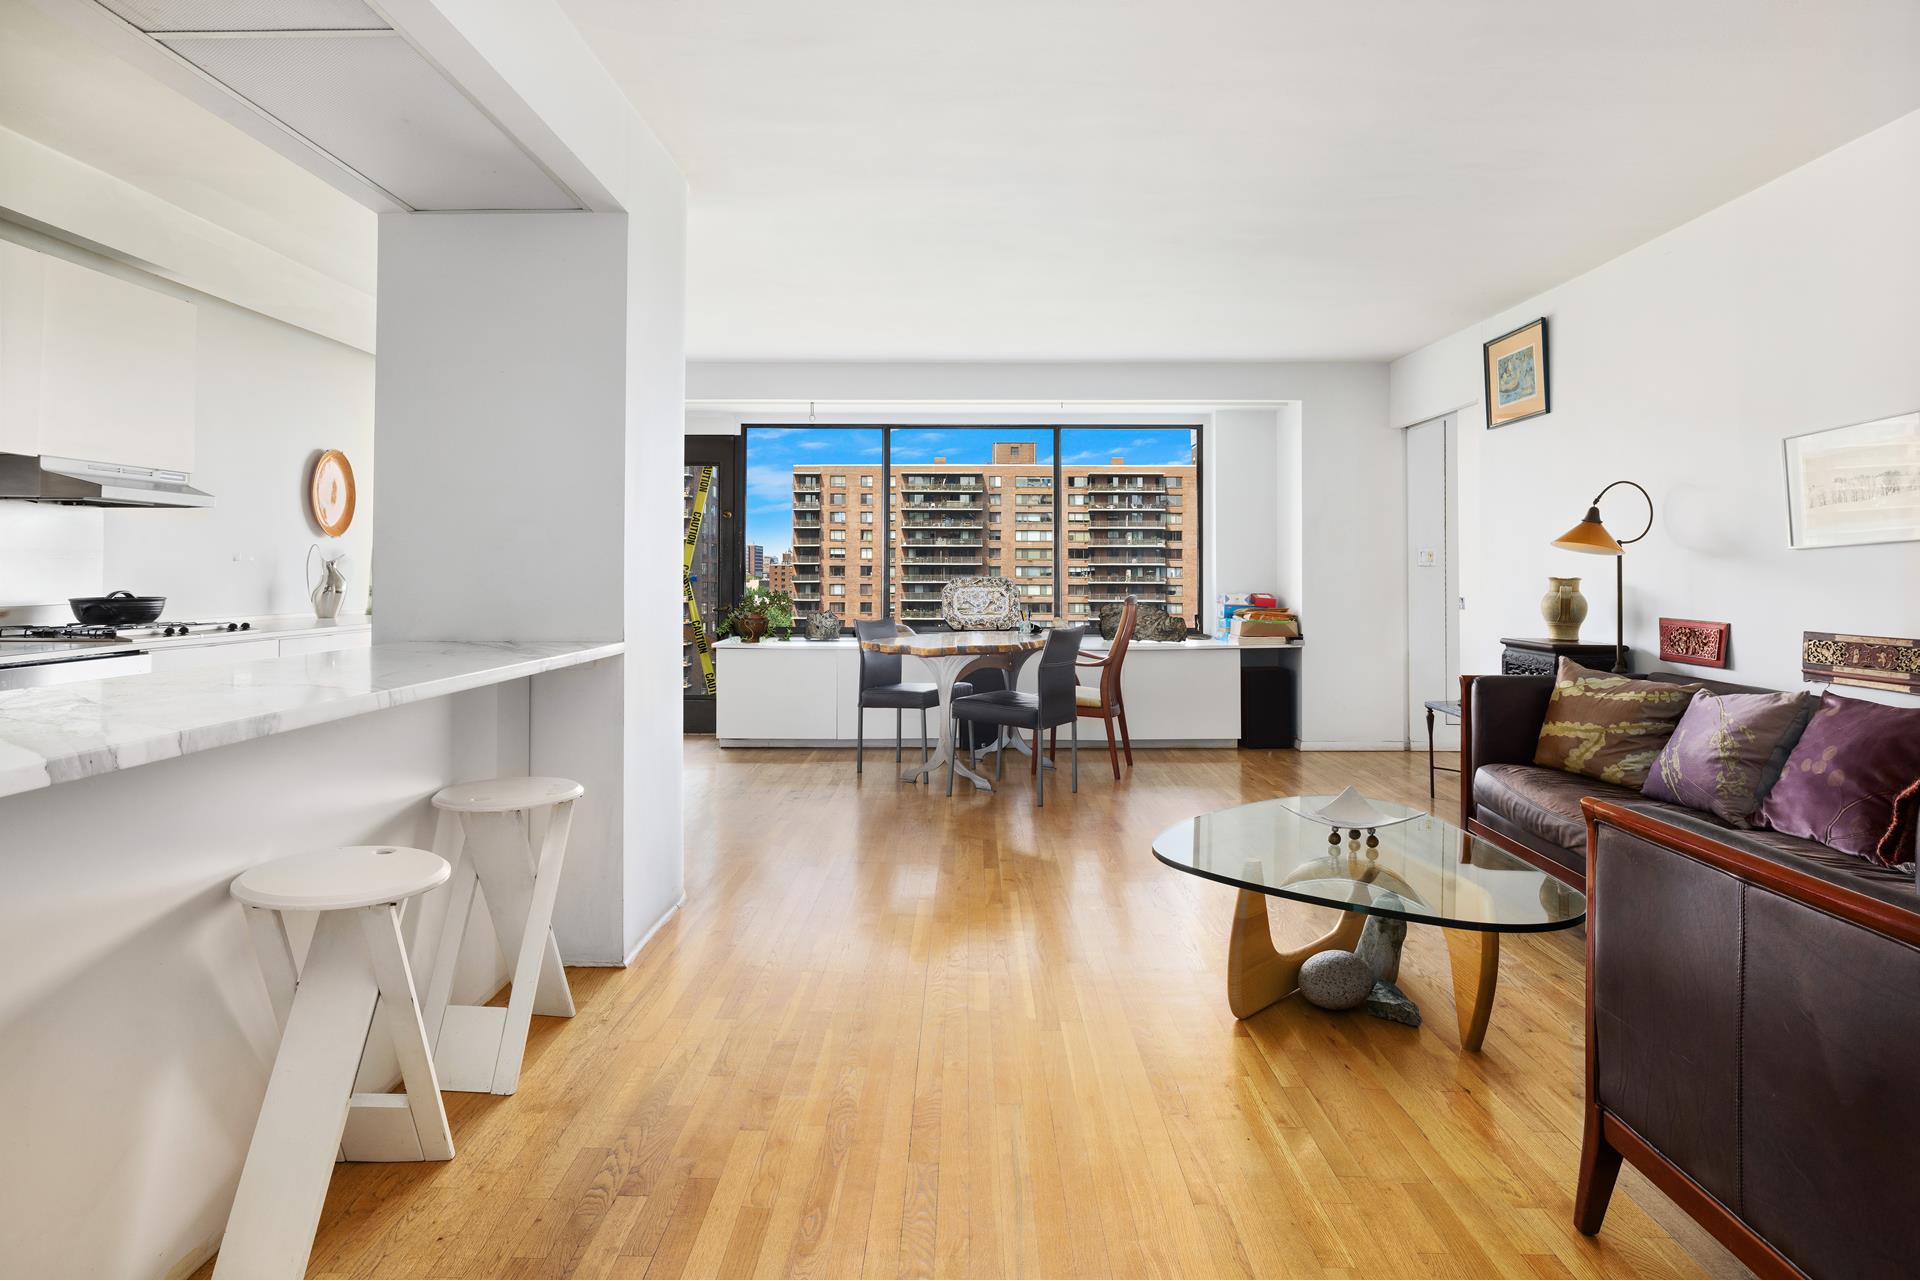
(1857, 484)
(1516, 374)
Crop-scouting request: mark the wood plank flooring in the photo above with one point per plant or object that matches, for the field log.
(893, 1034)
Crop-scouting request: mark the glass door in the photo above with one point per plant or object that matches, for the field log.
(711, 571)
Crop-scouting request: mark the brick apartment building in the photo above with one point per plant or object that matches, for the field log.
(1127, 533)
(780, 574)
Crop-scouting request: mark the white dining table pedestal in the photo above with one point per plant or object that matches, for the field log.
(946, 672)
(948, 655)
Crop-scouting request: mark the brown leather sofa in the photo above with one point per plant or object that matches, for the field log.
(1753, 1035)
(1533, 811)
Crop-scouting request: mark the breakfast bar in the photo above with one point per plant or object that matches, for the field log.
(140, 1033)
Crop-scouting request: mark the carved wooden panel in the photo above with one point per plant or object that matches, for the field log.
(1688, 640)
(1871, 662)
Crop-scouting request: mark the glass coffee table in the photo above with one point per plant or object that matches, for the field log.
(1422, 869)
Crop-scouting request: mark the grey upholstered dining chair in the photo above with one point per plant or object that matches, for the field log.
(1051, 706)
(881, 686)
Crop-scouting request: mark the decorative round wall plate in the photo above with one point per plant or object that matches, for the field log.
(331, 494)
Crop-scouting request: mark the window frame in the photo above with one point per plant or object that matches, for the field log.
(1057, 488)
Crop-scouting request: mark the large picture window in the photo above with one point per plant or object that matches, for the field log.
(872, 522)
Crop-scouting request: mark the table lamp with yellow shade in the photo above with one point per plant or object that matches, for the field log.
(1591, 537)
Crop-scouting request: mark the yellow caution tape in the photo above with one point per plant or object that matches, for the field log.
(701, 645)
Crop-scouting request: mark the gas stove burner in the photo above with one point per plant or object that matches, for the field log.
(186, 629)
(55, 632)
(98, 632)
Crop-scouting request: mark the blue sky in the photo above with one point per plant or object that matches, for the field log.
(773, 453)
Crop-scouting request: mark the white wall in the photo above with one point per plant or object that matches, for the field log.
(268, 396)
(1304, 484)
(1682, 365)
(656, 198)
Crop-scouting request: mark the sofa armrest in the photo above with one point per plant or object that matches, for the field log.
(1500, 719)
(1746, 1048)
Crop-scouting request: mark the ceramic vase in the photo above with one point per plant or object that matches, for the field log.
(1563, 608)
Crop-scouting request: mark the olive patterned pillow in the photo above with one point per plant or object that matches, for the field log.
(1609, 727)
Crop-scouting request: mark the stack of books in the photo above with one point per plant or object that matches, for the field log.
(1256, 618)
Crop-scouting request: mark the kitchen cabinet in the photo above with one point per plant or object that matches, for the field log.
(1178, 693)
(92, 366)
(23, 281)
(778, 691)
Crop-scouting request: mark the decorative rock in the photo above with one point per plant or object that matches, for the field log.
(1151, 622)
(1380, 941)
(823, 626)
(1388, 1002)
(1335, 980)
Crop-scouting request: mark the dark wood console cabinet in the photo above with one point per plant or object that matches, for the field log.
(1522, 657)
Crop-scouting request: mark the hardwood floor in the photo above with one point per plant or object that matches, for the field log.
(897, 1034)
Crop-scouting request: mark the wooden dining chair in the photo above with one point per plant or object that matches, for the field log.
(1104, 700)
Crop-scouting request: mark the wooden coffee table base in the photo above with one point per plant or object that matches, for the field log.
(1259, 975)
(1476, 972)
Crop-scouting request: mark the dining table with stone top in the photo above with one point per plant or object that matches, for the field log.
(950, 655)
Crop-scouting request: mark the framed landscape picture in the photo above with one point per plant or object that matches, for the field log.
(1516, 374)
(1858, 484)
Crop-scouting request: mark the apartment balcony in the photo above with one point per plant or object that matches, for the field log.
(942, 556)
(1115, 485)
(1109, 521)
(1123, 583)
(1145, 554)
(957, 485)
(926, 518)
(1128, 503)
(910, 508)
(915, 541)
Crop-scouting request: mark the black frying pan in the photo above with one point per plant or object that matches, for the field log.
(121, 609)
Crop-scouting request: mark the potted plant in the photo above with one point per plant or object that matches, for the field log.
(758, 610)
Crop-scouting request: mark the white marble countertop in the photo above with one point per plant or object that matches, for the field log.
(61, 733)
(272, 628)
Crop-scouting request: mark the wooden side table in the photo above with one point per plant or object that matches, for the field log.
(1447, 709)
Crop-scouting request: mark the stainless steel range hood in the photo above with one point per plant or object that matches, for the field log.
(43, 478)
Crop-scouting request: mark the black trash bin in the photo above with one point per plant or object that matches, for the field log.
(1269, 698)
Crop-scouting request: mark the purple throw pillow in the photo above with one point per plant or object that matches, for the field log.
(1727, 751)
(1840, 782)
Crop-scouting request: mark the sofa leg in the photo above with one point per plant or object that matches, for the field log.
(1599, 1167)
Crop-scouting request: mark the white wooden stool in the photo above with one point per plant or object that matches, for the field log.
(356, 965)
(488, 830)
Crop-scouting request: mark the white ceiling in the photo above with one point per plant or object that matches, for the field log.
(62, 89)
(1210, 179)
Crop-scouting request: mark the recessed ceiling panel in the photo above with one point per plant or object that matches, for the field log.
(248, 15)
(381, 109)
